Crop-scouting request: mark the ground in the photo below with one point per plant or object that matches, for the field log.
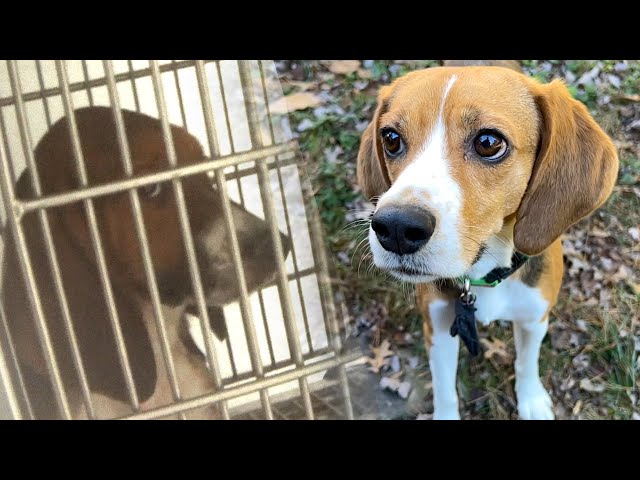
(589, 358)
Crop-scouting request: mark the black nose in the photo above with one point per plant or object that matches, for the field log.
(403, 230)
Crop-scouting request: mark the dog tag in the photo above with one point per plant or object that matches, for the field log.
(464, 324)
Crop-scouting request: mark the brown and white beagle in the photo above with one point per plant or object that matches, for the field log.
(468, 165)
(87, 305)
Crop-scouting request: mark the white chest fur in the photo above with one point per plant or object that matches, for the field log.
(511, 300)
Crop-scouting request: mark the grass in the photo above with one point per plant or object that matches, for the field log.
(586, 340)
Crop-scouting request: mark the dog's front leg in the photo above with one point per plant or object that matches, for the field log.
(443, 361)
(534, 402)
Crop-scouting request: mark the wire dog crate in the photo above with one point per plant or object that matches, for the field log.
(284, 337)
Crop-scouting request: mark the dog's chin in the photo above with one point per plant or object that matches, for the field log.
(411, 275)
(224, 288)
(414, 271)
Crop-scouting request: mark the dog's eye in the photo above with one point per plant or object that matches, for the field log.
(392, 142)
(490, 145)
(151, 191)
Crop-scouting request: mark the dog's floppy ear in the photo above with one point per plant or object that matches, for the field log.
(372, 173)
(574, 172)
(88, 312)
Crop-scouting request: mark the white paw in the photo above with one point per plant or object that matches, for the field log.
(534, 403)
(448, 414)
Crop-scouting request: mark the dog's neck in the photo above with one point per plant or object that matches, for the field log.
(498, 251)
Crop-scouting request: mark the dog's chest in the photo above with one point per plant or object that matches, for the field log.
(511, 300)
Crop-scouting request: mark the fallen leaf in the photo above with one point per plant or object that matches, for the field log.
(293, 102)
(395, 363)
(627, 98)
(404, 389)
(344, 67)
(588, 386)
(364, 73)
(597, 232)
(577, 407)
(635, 287)
(302, 86)
(495, 347)
(379, 356)
(390, 384)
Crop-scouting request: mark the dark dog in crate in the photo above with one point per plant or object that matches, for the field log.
(88, 308)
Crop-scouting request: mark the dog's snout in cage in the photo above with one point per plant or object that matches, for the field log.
(159, 259)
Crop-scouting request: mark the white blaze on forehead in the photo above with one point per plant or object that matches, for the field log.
(428, 180)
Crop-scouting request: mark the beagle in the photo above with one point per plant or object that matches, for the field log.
(476, 171)
(86, 303)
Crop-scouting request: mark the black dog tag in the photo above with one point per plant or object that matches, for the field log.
(464, 323)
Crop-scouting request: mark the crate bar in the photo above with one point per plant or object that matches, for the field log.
(234, 392)
(132, 78)
(95, 236)
(45, 103)
(245, 306)
(185, 228)
(27, 147)
(7, 148)
(86, 193)
(99, 82)
(8, 196)
(270, 216)
(179, 91)
(326, 293)
(141, 233)
(13, 355)
(283, 197)
(238, 175)
(7, 384)
(85, 73)
(320, 261)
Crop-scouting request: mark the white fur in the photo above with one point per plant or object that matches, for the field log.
(511, 300)
(534, 402)
(443, 361)
(428, 179)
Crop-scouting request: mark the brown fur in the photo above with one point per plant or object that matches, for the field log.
(75, 254)
(561, 166)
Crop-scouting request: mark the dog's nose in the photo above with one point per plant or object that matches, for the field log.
(403, 230)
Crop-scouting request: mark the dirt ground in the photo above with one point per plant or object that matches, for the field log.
(589, 360)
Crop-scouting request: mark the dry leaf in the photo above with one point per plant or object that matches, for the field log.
(627, 98)
(404, 390)
(344, 67)
(635, 287)
(293, 102)
(588, 386)
(577, 408)
(303, 86)
(495, 347)
(379, 356)
(392, 384)
(364, 73)
(596, 232)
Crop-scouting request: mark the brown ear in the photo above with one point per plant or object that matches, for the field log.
(574, 172)
(372, 173)
(89, 316)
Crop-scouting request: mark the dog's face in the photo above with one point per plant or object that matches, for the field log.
(457, 154)
(159, 208)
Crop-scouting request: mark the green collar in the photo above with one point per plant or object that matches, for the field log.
(497, 275)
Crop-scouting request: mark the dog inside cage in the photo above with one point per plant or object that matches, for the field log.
(159, 259)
